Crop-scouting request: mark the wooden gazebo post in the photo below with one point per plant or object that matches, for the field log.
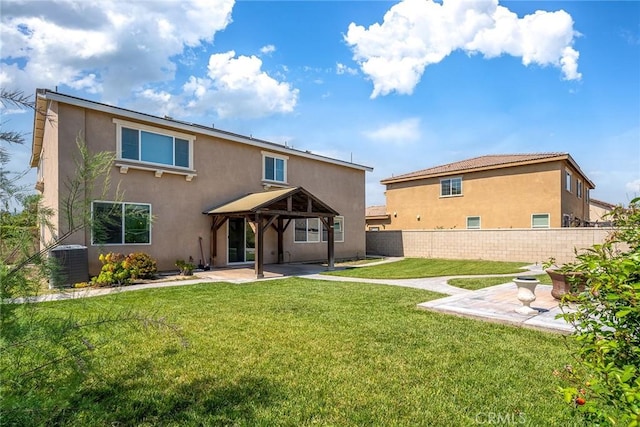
(259, 261)
(330, 244)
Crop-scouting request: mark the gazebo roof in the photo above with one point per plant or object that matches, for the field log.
(287, 202)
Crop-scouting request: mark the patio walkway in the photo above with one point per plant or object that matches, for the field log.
(495, 303)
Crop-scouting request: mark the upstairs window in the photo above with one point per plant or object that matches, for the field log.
(274, 167)
(579, 189)
(142, 143)
(120, 223)
(338, 230)
(450, 187)
(567, 184)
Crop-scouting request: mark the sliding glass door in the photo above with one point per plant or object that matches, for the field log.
(241, 241)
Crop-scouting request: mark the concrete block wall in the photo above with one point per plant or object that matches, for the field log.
(526, 245)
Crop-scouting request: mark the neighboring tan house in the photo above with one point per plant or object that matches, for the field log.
(597, 210)
(377, 218)
(495, 191)
(191, 191)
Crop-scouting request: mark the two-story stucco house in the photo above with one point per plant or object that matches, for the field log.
(190, 191)
(538, 190)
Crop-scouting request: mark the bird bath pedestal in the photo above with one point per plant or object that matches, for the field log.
(526, 294)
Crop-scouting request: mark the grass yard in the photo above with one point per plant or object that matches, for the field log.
(293, 352)
(475, 283)
(412, 268)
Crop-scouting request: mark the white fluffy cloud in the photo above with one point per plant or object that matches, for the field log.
(268, 49)
(343, 69)
(109, 47)
(418, 33)
(237, 86)
(400, 133)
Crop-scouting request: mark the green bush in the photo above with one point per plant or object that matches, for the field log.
(186, 268)
(120, 270)
(605, 382)
(113, 271)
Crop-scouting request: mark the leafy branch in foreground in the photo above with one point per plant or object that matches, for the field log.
(605, 381)
(44, 357)
(54, 355)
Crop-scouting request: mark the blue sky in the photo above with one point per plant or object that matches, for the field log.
(398, 86)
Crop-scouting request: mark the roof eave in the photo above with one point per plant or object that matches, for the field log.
(190, 127)
(485, 168)
(39, 119)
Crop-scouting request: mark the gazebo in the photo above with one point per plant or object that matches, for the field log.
(275, 209)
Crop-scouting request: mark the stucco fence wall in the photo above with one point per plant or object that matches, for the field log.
(527, 245)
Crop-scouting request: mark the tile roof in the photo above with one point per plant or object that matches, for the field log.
(605, 205)
(491, 161)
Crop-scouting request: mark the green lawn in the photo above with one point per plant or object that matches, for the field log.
(293, 352)
(475, 283)
(411, 268)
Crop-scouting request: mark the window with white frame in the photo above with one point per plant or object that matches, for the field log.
(307, 230)
(567, 183)
(451, 187)
(338, 230)
(540, 220)
(274, 167)
(579, 189)
(146, 144)
(473, 222)
(115, 223)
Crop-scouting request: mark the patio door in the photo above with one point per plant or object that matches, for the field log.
(241, 242)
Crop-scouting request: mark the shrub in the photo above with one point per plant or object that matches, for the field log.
(142, 266)
(120, 270)
(113, 271)
(605, 382)
(186, 268)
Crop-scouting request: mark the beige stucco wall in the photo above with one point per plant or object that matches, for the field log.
(572, 205)
(503, 198)
(379, 224)
(519, 245)
(49, 174)
(225, 170)
(597, 212)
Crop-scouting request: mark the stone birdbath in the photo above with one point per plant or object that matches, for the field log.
(526, 294)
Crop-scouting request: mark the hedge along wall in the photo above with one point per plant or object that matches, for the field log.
(526, 245)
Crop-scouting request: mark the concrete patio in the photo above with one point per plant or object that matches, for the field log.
(499, 303)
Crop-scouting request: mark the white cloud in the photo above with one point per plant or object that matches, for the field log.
(268, 49)
(343, 69)
(237, 86)
(112, 47)
(399, 133)
(633, 186)
(418, 33)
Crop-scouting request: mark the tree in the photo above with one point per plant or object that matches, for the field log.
(49, 354)
(605, 380)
